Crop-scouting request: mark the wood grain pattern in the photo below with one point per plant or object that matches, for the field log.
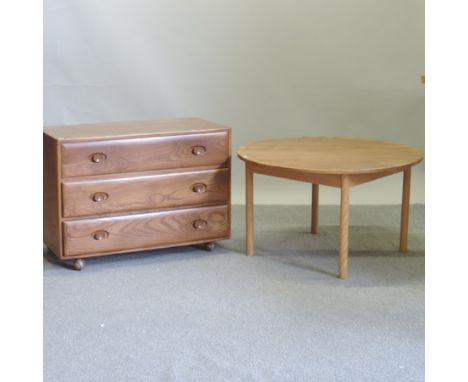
(131, 182)
(125, 129)
(249, 215)
(336, 162)
(315, 209)
(145, 192)
(330, 155)
(148, 230)
(140, 154)
(328, 180)
(344, 229)
(51, 196)
(405, 206)
(357, 179)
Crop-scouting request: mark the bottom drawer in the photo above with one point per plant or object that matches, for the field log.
(148, 230)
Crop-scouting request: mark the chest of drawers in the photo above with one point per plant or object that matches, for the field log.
(125, 187)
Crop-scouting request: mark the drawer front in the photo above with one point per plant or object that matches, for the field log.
(149, 230)
(145, 192)
(141, 154)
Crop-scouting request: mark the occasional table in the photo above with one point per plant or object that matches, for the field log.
(336, 162)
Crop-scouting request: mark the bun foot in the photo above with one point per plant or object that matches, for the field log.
(209, 246)
(78, 264)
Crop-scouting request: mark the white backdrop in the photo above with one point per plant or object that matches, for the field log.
(267, 68)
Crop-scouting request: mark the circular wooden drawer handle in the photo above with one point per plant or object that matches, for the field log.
(199, 224)
(198, 150)
(98, 157)
(199, 188)
(100, 235)
(99, 197)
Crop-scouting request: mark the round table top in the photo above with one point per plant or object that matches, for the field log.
(330, 155)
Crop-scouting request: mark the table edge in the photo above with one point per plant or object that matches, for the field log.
(322, 172)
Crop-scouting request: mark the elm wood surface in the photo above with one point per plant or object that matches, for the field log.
(249, 221)
(405, 210)
(337, 162)
(144, 192)
(338, 156)
(315, 209)
(105, 235)
(51, 196)
(116, 130)
(344, 228)
(149, 153)
(207, 167)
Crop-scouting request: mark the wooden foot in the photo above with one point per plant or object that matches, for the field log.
(249, 210)
(78, 264)
(315, 209)
(405, 205)
(209, 246)
(344, 229)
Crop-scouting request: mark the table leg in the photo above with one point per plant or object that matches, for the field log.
(315, 208)
(405, 210)
(344, 229)
(249, 210)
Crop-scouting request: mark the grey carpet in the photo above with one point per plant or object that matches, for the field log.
(189, 315)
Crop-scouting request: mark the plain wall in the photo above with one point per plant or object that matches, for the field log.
(266, 68)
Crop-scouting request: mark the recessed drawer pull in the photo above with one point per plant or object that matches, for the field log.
(199, 224)
(198, 150)
(100, 235)
(98, 157)
(99, 197)
(199, 188)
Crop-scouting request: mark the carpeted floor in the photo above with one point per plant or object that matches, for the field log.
(188, 315)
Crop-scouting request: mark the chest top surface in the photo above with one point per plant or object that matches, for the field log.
(330, 155)
(99, 131)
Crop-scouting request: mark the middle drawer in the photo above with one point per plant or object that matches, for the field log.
(144, 192)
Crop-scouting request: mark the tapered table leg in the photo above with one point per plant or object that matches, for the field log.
(344, 229)
(315, 209)
(249, 210)
(405, 210)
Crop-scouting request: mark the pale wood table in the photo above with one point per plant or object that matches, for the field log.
(336, 162)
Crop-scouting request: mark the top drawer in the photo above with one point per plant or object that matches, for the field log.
(146, 153)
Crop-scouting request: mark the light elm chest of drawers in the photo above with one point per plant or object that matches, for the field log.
(124, 187)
